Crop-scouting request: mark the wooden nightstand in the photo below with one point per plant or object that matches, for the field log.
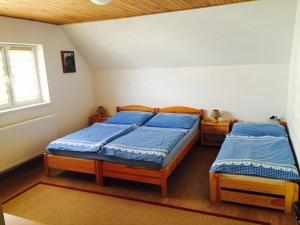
(97, 119)
(213, 133)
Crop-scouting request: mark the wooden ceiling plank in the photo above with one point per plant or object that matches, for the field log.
(74, 11)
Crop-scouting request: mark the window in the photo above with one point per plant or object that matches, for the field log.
(20, 78)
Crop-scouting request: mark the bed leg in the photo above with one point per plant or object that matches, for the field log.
(46, 167)
(291, 196)
(214, 187)
(164, 184)
(98, 174)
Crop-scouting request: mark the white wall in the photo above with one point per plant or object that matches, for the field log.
(71, 94)
(72, 98)
(23, 141)
(293, 107)
(246, 92)
(254, 32)
(233, 57)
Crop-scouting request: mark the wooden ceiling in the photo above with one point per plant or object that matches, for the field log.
(75, 11)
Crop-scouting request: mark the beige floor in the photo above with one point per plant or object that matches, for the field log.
(59, 206)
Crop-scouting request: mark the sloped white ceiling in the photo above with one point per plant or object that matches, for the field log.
(255, 32)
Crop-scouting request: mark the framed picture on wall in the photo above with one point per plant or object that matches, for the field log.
(68, 61)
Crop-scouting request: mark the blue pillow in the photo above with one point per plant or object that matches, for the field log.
(172, 120)
(130, 117)
(257, 130)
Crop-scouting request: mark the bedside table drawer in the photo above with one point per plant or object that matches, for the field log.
(215, 129)
(214, 133)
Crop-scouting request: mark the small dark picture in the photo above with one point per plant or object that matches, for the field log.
(68, 61)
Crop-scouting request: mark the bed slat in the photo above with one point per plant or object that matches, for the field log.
(248, 184)
(253, 199)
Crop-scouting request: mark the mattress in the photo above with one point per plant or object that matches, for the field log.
(171, 155)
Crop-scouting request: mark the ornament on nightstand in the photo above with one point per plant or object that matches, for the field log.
(101, 111)
(276, 119)
(215, 114)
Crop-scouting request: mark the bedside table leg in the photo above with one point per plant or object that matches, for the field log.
(46, 167)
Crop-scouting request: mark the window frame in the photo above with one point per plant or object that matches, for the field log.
(13, 104)
(7, 82)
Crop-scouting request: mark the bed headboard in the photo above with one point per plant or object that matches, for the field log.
(183, 110)
(136, 108)
(173, 109)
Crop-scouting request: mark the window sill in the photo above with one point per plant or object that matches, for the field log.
(24, 107)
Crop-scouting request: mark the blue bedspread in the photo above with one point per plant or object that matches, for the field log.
(91, 139)
(265, 156)
(150, 144)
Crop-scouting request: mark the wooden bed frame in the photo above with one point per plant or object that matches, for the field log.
(103, 169)
(251, 190)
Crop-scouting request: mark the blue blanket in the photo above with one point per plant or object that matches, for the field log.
(150, 144)
(91, 139)
(266, 156)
